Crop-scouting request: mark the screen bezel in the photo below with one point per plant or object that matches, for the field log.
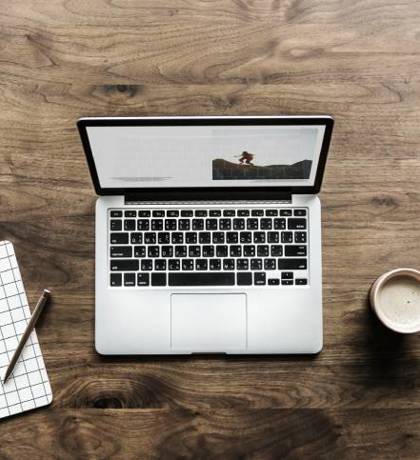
(171, 193)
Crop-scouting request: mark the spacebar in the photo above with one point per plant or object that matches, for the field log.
(201, 279)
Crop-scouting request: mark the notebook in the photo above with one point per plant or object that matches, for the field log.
(28, 386)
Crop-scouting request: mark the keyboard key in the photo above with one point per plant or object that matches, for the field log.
(208, 251)
(144, 213)
(243, 212)
(235, 251)
(300, 212)
(124, 265)
(228, 212)
(225, 224)
(211, 224)
(194, 251)
(157, 224)
(273, 282)
(266, 224)
(252, 224)
(244, 279)
(140, 251)
(294, 251)
(184, 224)
(228, 264)
(215, 213)
(300, 237)
(204, 238)
(167, 251)
(286, 237)
(272, 237)
(191, 238)
(177, 238)
(186, 213)
(296, 224)
(257, 212)
(238, 224)
(121, 251)
(201, 213)
(301, 281)
(262, 251)
(287, 282)
(198, 224)
(201, 279)
(163, 238)
(259, 237)
(271, 212)
(143, 279)
(232, 237)
(129, 279)
(242, 264)
(116, 214)
(276, 250)
(170, 224)
(143, 224)
(218, 238)
(221, 251)
(215, 264)
(245, 237)
(150, 238)
(279, 224)
(187, 264)
(153, 251)
(116, 279)
(259, 278)
(201, 264)
(172, 213)
(285, 212)
(158, 213)
(291, 264)
(130, 213)
(136, 238)
(287, 275)
(116, 225)
(256, 264)
(119, 238)
(158, 279)
(174, 264)
(269, 264)
(146, 265)
(249, 250)
(180, 251)
(160, 264)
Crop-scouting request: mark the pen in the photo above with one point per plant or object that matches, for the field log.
(29, 328)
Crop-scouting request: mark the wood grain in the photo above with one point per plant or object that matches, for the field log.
(358, 61)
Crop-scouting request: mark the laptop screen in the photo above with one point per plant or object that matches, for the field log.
(266, 155)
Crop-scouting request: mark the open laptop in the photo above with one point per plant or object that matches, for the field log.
(208, 233)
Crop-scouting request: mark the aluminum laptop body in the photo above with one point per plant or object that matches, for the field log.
(208, 233)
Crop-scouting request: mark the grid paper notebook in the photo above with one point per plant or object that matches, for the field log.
(28, 386)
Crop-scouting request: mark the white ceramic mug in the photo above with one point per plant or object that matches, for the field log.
(395, 298)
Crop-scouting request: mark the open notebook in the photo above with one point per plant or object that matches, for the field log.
(28, 387)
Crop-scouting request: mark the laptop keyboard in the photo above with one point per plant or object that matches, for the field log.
(208, 247)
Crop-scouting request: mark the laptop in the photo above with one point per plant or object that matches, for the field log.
(208, 233)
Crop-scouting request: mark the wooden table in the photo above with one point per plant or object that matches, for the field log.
(360, 62)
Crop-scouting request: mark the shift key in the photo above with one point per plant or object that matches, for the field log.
(122, 265)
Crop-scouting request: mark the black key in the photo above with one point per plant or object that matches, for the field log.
(160, 264)
(229, 212)
(272, 237)
(150, 238)
(257, 212)
(188, 264)
(136, 238)
(242, 264)
(143, 213)
(129, 279)
(266, 224)
(218, 238)
(287, 282)
(215, 213)
(201, 264)
(124, 265)
(116, 224)
(301, 281)
(130, 213)
(119, 238)
(271, 212)
(204, 237)
(121, 251)
(279, 224)
(191, 238)
(172, 213)
(249, 250)
(287, 275)
(259, 237)
(146, 264)
(235, 251)
(163, 238)
(200, 213)
(153, 251)
(232, 237)
(158, 213)
(140, 251)
(143, 279)
(286, 237)
(198, 224)
(300, 212)
(116, 213)
(259, 278)
(294, 251)
(300, 237)
(211, 224)
(269, 264)
(296, 224)
(291, 264)
(273, 282)
(238, 224)
(173, 264)
(116, 279)
(157, 224)
(225, 224)
(186, 213)
(244, 279)
(285, 212)
(177, 238)
(167, 251)
(208, 251)
(252, 224)
(158, 279)
(143, 224)
(183, 224)
(201, 279)
(256, 264)
(245, 237)
(180, 251)
(228, 264)
(170, 224)
(262, 251)
(243, 212)
(194, 251)
(221, 251)
(215, 264)
(276, 250)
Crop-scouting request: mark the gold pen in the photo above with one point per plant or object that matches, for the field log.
(29, 328)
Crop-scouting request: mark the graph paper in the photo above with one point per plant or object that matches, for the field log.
(28, 386)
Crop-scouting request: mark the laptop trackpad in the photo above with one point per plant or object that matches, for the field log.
(208, 322)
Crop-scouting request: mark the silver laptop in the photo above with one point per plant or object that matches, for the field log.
(208, 233)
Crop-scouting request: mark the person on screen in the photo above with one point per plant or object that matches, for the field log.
(246, 158)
